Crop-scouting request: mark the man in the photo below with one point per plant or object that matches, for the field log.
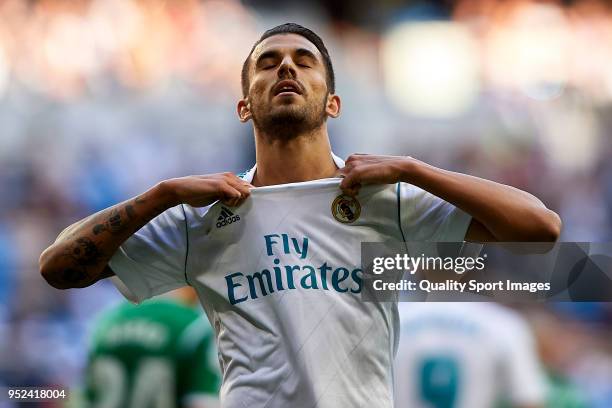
(476, 355)
(160, 353)
(278, 274)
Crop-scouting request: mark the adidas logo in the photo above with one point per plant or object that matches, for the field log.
(226, 217)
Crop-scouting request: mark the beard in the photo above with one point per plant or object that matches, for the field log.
(287, 122)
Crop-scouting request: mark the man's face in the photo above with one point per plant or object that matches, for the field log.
(288, 92)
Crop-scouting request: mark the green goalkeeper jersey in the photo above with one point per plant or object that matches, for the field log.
(157, 354)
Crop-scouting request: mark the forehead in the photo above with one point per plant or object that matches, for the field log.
(284, 43)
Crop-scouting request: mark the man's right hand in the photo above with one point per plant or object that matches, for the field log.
(80, 254)
(200, 191)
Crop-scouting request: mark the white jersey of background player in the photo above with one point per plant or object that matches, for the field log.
(466, 355)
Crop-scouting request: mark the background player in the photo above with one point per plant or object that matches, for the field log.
(456, 355)
(158, 354)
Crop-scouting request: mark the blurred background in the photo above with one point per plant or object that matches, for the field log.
(101, 99)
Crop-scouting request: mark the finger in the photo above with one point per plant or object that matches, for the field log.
(241, 200)
(228, 192)
(244, 190)
(355, 156)
(243, 187)
(346, 170)
(351, 183)
(352, 191)
(241, 181)
(351, 178)
(346, 186)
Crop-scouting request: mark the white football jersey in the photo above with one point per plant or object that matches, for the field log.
(456, 355)
(280, 280)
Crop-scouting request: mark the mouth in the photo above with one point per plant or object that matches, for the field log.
(286, 88)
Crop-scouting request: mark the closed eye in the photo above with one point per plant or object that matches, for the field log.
(267, 60)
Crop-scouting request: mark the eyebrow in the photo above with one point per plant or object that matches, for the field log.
(300, 52)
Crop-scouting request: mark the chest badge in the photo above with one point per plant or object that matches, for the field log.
(346, 209)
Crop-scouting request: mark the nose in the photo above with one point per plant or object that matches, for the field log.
(286, 68)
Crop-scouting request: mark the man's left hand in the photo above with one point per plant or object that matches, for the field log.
(361, 169)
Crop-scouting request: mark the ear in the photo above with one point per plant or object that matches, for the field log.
(244, 110)
(332, 108)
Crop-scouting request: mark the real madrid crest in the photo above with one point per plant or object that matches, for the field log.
(346, 209)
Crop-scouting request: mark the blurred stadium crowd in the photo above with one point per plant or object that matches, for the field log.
(100, 99)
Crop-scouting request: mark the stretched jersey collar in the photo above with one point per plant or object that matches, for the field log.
(248, 176)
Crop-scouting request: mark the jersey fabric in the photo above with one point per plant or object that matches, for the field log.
(456, 355)
(158, 354)
(279, 278)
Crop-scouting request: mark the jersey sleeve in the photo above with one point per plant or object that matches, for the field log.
(525, 377)
(426, 217)
(152, 261)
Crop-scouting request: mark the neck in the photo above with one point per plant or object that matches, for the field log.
(302, 158)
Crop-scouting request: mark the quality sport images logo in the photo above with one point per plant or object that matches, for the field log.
(226, 217)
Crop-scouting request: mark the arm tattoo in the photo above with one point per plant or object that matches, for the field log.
(85, 250)
(129, 210)
(83, 253)
(99, 228)
(83, 257)
(115, 222)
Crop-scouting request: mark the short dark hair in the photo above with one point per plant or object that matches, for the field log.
(292, 28)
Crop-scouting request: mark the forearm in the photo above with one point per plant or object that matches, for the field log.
(509, 214)
(80, 254)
